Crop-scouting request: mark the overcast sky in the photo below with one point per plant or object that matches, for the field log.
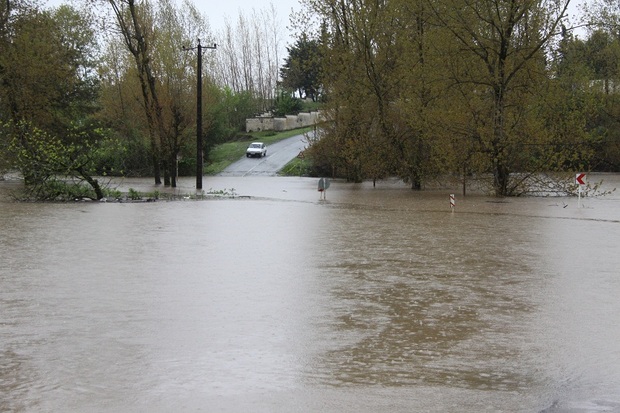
(218, 10)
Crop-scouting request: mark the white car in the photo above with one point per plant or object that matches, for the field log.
(258, 149)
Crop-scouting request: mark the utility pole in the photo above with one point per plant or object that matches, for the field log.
(199, 150)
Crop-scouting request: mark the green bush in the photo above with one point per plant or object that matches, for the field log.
(133, 194)
(297, 167)
(286, 104)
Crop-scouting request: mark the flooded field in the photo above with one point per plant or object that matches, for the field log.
(376, 299)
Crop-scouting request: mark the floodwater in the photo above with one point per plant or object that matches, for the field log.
(374, 300)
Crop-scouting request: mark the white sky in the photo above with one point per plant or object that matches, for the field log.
(219, 10)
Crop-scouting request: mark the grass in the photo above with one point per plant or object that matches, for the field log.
(296, 167)
(226, 153)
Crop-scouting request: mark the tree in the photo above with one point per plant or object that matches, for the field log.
(48, 95)
(76, 33)
(286, 104)
(602, 55)
(249, 55)
(503, 60)
(51, 165)
(360, 64)
(134, 22)
(122, 111)
(155, 35)
(424, 96)
(447, 86)
(47, 75)
(175, 84)
(301, 70)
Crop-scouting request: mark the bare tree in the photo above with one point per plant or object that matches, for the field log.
(250, 54)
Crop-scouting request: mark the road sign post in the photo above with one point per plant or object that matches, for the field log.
(323, 185)
(580, 180)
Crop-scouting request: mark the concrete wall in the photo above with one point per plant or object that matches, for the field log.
(259, 124)
(289, 122)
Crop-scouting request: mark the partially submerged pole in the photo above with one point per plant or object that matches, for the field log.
(199, 149)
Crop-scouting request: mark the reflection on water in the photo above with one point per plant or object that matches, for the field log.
(374, 300)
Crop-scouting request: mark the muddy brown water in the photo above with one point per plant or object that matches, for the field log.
(376, 299)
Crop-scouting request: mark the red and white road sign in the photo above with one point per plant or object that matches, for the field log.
(580, 179)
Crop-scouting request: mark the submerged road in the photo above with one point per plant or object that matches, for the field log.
(278, 155)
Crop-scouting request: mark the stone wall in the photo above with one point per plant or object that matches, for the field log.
(263, 123)
(259, 124)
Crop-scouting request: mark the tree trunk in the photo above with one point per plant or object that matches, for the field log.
(91, 181)
(156, 167)
(501, 171)
(416, 181)
(166, 165)
(172, 162)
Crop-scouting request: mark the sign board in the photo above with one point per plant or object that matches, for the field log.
(580, 179)
(323, 184)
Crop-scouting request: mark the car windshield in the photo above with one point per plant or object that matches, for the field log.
(255, 145)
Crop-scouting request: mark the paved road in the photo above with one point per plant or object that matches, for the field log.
(278, 155)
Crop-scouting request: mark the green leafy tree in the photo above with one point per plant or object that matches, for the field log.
(135, 24)
(501, 59)
(48, 68)
(601, 52)
(424, 93)
(122, 112)
(48, 94)
(286, 104)
(229, 110)
(447, 86)
(302, 68)
(155, 35)
(52, 167)
(359, 74)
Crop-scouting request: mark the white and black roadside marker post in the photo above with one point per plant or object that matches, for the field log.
(580, 179)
